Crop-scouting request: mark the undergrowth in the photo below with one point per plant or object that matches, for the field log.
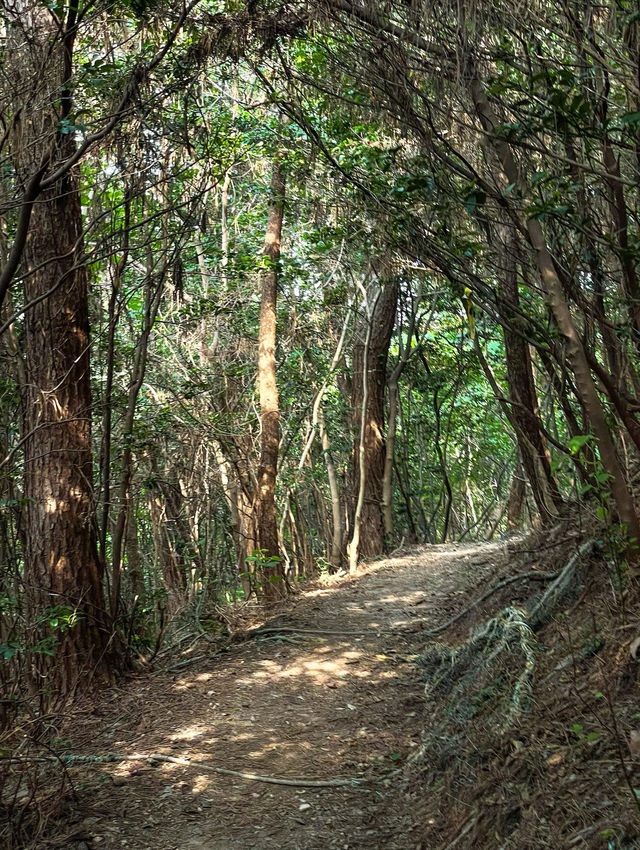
(531, 718)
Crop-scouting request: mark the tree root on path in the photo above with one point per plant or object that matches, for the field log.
(529, 574)
(293, 630)
(253, 777)
(114, 758)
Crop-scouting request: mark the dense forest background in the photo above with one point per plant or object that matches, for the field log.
(287, 285)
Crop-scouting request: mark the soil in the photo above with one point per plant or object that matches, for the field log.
(291, 705)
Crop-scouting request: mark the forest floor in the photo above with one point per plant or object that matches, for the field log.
(289, 705)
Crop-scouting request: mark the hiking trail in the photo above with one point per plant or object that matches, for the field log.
(303, 700)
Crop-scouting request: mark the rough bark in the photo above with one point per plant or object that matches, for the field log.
(70, 629)
(264, 506)
(61, 559)
(372, 442)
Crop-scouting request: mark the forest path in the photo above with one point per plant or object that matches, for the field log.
(318, 706)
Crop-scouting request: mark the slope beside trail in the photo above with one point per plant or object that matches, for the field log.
(288, 705)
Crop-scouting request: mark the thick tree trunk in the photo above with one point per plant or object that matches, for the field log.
(62, 570)
(368, 417)
(70, 629)
(264, 506)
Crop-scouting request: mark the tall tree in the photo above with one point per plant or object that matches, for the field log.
(62, 572)
(265, 516)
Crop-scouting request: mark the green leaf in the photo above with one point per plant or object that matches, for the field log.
(7, 652)
(578, 442)
(632, 118)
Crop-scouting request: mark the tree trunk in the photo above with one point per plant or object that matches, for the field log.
(387, 479)
(392, 385)
(135, 572)
(173, 576)
(370, 370)
(516, 497)
(524, 412)
(264, 506)
(152, 304)
(555, 296)
(62, 571)
(61, 558)
(337, 536)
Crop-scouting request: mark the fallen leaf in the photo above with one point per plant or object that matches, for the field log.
(634, 742)
(633, 649)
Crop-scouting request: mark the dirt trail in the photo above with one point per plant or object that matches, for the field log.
(296, 705)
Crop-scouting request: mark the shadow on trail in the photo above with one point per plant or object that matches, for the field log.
(289, 706)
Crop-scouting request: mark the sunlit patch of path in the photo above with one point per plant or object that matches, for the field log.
(314, 706)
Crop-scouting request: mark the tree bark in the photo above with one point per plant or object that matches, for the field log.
(70, 628)
(554, 293)
(370, 370)
(264, 506)
(515, 501)
(337, 535)
(524, 411)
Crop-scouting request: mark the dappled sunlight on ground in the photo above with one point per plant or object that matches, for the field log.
(290, 705)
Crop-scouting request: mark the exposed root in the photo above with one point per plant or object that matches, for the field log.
(256, 633)
(542, 610)
(114, 758)
(487, 682)
(254, 777)
(529, 574)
